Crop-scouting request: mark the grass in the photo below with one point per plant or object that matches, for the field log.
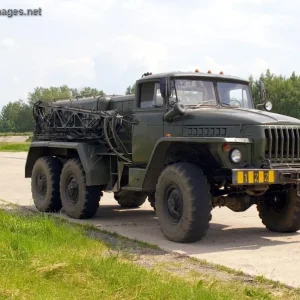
(42, 257)
(14, 147)
(218, 267)
(262, 279)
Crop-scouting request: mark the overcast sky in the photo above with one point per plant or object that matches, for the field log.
(109, 44)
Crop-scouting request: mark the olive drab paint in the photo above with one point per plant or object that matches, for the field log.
(124, 143)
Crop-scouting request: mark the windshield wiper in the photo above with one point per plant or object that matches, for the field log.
(201, 104)
(228, 105)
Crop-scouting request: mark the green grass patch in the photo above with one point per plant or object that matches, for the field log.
(42, 257)
(14, 147)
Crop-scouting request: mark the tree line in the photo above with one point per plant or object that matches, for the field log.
(17, 116)
(283, 92)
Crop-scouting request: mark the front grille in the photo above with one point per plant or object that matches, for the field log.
(282, 144)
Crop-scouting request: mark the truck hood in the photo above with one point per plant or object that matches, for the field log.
(235, 116)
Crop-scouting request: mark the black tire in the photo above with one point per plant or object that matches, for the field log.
(79, 200)
(191, 192)
(282, 215)
(45, 184)
(130, 199)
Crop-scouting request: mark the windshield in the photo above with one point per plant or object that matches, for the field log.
(234, 94)
(194, 92)
(197, 92)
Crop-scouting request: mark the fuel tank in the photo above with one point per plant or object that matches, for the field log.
(88, 103)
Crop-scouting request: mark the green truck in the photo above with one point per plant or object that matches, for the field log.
(185, 141)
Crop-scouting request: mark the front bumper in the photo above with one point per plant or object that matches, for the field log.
(241, 177)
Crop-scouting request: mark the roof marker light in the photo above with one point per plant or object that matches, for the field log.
(209, 71)
(197, 71)
(147, 74)
(221, 73)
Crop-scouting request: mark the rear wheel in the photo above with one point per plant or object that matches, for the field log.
(45, 184)
(79, 200)
(183, 203)
(130, 199)
(280, 211)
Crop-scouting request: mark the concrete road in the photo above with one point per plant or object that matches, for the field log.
(13, 139)
(236, 240)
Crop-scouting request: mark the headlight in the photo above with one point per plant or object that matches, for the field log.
(236, 156)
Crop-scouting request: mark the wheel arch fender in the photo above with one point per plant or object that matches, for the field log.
(96, 167)
(155, 165)
(157, 161)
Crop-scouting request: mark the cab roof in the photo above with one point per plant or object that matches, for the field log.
(191, 74)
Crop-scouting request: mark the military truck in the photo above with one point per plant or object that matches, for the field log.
(187, 142)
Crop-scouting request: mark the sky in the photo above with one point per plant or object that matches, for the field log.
(109, 44)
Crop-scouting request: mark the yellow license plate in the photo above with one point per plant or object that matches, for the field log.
(255, 177)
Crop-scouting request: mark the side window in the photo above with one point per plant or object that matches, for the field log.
(147, 93)
(150, 95)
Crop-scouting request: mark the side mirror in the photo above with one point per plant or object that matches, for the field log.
(267, 105)
(177, 110)
(262, 91)
(165, 87)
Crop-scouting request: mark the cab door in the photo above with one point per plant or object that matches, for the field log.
(149, 123)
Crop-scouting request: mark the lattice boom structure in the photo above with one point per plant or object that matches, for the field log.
(56, 122)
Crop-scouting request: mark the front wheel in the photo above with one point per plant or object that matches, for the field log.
(280, 211)
(79, 200)
(183, 203)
